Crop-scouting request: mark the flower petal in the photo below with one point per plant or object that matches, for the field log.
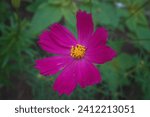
(100, 54)
(57, 40)
(47, 43)
(66, 81)
(98, 38)
(85, 26)
(88, 74)
(51, 65)
(62, 35)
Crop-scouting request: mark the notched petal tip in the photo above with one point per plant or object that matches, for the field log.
(88, 74)
(101, 54)
(100, 37)
(85, 26)
(82, 12)
(54, 25)
(62, 91)
(51, 65)
(104, 30)
(65, 83)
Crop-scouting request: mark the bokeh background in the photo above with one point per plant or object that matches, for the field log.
(128, 23)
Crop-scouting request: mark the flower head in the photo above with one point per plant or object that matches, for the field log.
(75, 58)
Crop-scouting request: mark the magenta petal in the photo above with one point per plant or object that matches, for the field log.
(62, 35)
(100, 54)
(51, 65)
(47, 43)
(88, 74)
(98, 38)
(66, 81)
(57, 40)
(85, 26)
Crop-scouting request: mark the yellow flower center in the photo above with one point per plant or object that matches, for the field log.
(78, 51)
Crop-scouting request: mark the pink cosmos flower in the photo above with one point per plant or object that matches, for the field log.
(75, 58)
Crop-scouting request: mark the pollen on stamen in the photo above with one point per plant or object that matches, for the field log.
(78, 51)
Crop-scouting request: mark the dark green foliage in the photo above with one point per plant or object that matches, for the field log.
(126, 77)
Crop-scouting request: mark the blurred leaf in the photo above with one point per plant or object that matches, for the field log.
(55, 2)
(106, 14)
(132, 24)
(146, 45)
(116, 44)
(142, 77)
(136, 20)
(114, 72)
(142, 19)
(124, 61)
(70, 17)
(16, 3)
(34, 5)
(122, 12)
(44, 17)
(136, 14)
(143, 35)
(4, 11)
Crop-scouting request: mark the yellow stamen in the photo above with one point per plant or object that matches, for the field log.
(78, 51)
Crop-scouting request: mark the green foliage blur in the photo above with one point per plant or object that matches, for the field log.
(128, 23)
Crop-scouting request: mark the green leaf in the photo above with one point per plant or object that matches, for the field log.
(34, 5)
(44, 17)
(124, 62)
(70, 19)
(116, 44)
(114, 72)
(142, 19)
(106, 14)
(132, 24)
(145, 45)
(143, 35)
(69, 16)
(56, 2)
(136, 14)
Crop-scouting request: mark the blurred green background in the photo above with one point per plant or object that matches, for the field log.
(128, 23)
